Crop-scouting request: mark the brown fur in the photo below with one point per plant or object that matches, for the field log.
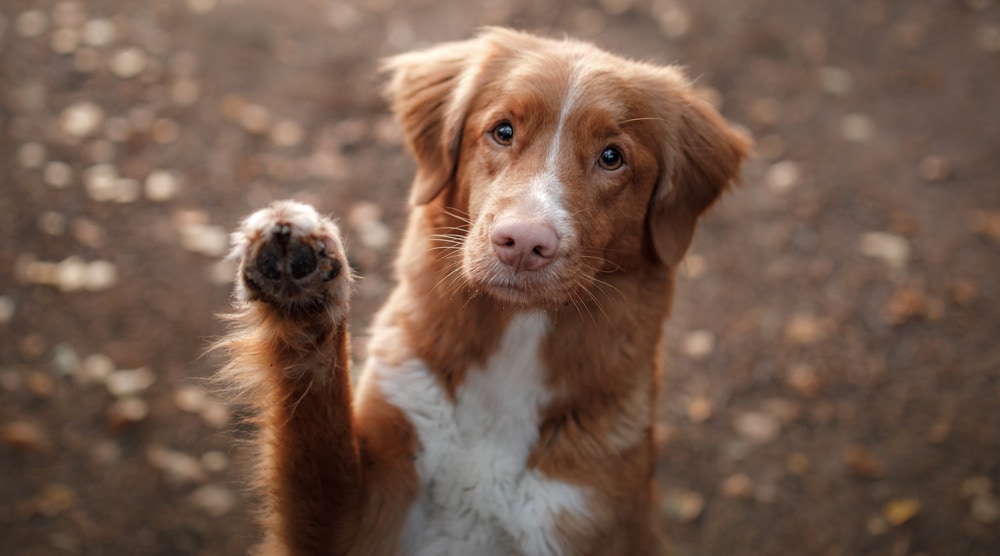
(341, 479)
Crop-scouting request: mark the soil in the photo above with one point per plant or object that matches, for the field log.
(833, 359)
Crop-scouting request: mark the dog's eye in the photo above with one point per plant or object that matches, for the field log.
(503, 133)
(610, 159)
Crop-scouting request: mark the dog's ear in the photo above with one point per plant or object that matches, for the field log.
(701, 160)
(429, 92)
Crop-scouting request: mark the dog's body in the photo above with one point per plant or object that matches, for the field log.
(507, 403)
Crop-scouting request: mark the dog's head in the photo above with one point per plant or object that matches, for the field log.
(566, 162)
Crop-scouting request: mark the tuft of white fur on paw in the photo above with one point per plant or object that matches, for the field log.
(292, 258)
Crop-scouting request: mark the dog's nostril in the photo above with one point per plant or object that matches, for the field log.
(302, 261)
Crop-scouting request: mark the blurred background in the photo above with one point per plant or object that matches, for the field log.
(833, 361)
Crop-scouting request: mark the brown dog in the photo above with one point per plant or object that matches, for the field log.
(508, 401)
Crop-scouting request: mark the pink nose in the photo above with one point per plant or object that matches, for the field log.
(524, 244)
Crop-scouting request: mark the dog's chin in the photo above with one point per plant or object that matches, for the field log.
(523, 291)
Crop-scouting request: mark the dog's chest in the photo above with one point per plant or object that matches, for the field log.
(478, 496)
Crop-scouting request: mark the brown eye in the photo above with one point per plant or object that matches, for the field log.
(503, 133)
(610, 159)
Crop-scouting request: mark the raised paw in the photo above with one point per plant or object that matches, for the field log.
(292, 258)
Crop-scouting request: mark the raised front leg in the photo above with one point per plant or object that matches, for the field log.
(290, 359)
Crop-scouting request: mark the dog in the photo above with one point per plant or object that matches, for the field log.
(507, 403)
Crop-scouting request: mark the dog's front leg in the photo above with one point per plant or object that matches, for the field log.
(289, 352)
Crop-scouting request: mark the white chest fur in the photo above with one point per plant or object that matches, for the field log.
(477, 496)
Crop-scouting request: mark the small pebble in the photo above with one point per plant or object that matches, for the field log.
(987, 38)
(863, 464)
(82, 119)
(893, 250)
(128, 62)
(212, 241)
(738, 486)
(254, 117)
(986, 223)
(797, 463)
(185, 92)
(165, 131)
(26, 435)
(127, 410)
(179, 467)
(105, 452)
(782, 176)
(100, 276)
(215, 500)
(901, 510)
(876, 525)
(58, 174)
(161, 185)
(756, 427)
(985, 508)
(934, 169)
(129, 382)
(835, 81)
(64, 41)
(70, 274)
(214, 461)
(31, 23)
(216, 415)
(683, 506)
(7, 309)
(53, 500)
(771, 147)
(103, 185)
(89, 233)
(857, 128)
(804, 379)
(698, 344)
(765, 111)
(31, 155)
(95, 368)
(287, 133)
(99, 32)
(699, 409)
(65, 361)
(805, 329)
(694, 266)
(40, 384)
(201, 7)
(190, 398)
(674, 19)
(68, 15)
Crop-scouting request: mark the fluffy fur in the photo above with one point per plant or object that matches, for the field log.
(507, 404)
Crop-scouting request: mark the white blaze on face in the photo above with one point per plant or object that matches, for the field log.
(545, 198)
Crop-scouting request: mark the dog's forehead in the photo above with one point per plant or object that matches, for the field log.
(564, 78)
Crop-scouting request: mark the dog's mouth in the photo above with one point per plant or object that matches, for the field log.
(555, 286)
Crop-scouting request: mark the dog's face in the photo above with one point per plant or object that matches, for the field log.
(564, 161)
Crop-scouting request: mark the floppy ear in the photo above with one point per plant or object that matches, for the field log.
(429, 92)
(703, 160)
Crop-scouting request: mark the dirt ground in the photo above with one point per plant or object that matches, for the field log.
(833, 383)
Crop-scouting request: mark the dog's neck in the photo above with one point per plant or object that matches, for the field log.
(606, 343)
